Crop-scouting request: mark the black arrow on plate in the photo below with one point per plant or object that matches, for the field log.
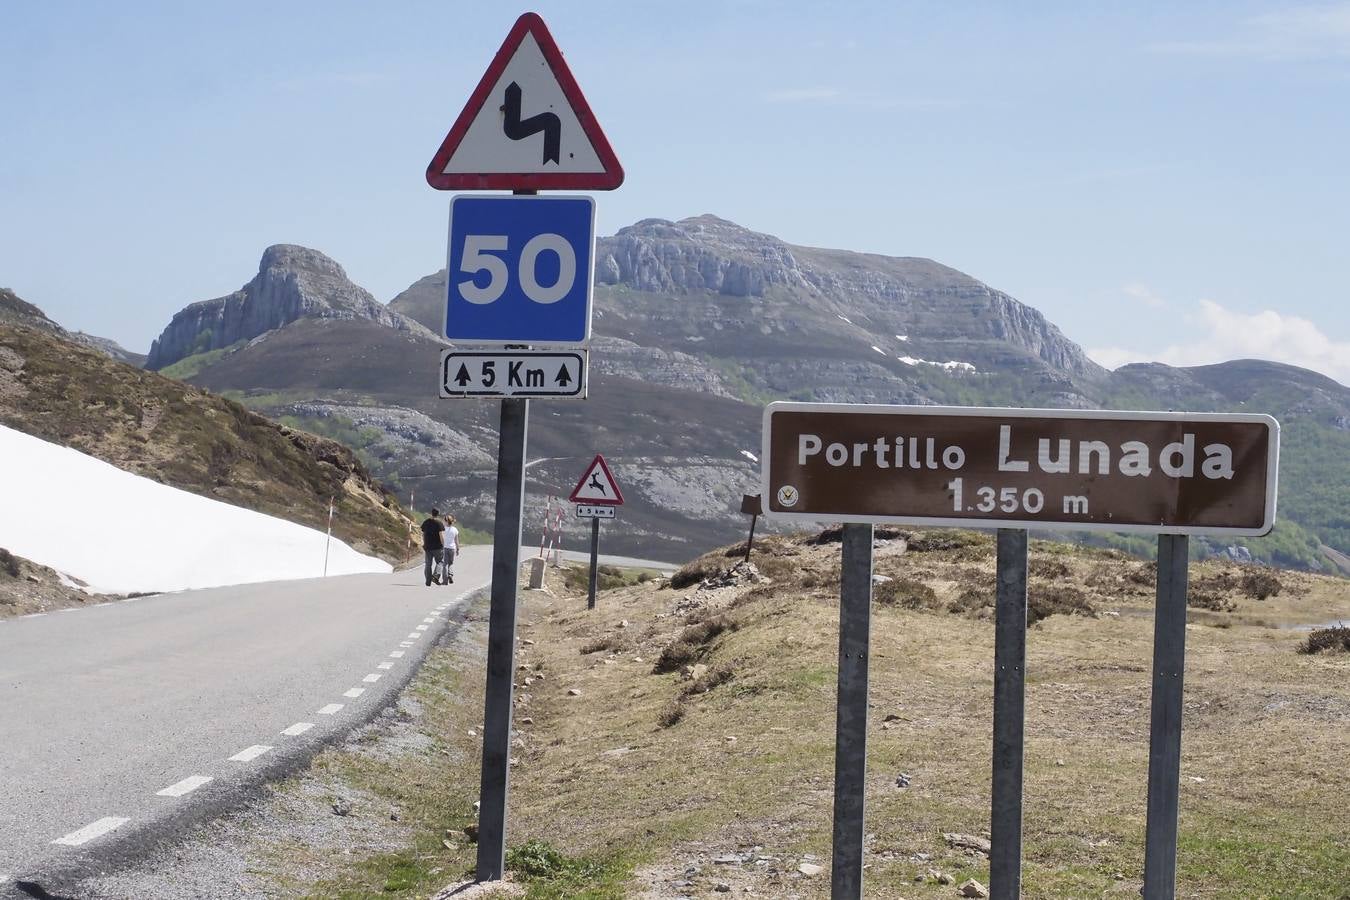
(562, 379)
(463, 378)
(518, 130)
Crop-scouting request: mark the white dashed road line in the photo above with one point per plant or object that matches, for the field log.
(385, 665)
(396, 654)
(250, 753)
(298, 728)
(330, 709)
(406, 644)
(354, 692)
(186, 786)
(428, 620)
(34, 616)
(372, 678)
(414, 635)
(91, 831)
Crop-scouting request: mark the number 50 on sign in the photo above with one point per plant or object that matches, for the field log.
(519, 270)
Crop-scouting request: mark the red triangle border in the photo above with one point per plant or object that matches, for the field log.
(608, 180)
(604, 466)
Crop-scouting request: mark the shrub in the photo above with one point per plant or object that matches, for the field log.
(608, 642)
(935, 541)
(695, 571)
(672, 714)
(709, 680)
(9, 564)
(835, 535)
(972, 601)
(537, 859)
(692, 643)
(578, 578)
(1211, 600)
(905, 592)
(1260, 584)
(1145, 573)
(1327, 640)
(1040, 567)
(1047, 601)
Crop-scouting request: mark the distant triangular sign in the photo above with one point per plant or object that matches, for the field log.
(526, 126)
(597, 485)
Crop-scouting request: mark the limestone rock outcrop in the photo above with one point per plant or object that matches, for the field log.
(292, 282)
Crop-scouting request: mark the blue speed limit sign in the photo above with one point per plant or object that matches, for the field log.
(519, 270)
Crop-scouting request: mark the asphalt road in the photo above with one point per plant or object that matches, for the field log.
(121, 722)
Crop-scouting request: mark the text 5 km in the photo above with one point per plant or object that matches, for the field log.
(519, 269)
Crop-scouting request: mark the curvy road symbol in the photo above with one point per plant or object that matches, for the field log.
(517, 129)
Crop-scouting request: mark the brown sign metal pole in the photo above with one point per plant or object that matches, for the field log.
(1010, 654)
(1164, 739)
(850, 740)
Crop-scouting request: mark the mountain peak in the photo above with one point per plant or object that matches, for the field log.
(15, 310)
(296, 257)
(293, 282)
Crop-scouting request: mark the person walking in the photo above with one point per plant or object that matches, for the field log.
(451, 547)
(433, 543)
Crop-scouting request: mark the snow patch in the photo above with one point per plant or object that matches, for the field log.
(878, 349)
(121, 533)
(845, 318)
(954, 365)
(902, 337)
(750, 456)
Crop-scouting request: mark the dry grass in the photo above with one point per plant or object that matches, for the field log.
(749, 761)
(660, 774)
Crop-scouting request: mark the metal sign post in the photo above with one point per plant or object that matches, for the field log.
(501, 660)
(850, 749)
(595, 561)
(752, 507)
(1164, 733)
(519, 271)
(1010, 654)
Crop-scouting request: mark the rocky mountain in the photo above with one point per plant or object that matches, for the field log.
(62, 391)
(109, 348)
(698, 323)
(292, 283)
(16, 311)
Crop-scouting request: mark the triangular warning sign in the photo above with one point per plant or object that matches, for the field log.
(597, 485)
(526, 126)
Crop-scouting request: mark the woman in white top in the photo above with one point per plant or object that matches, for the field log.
(451, 548)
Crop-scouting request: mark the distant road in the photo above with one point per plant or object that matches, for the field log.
(124, 721)
(526, 553)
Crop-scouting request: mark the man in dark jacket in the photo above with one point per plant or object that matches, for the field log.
(433, 544)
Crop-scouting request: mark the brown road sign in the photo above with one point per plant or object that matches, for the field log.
(1103, 470)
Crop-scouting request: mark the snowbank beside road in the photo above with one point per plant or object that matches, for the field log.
(119, 532)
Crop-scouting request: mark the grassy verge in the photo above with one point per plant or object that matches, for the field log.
(614, 796)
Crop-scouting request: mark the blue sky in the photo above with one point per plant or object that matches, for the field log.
(1164, 181)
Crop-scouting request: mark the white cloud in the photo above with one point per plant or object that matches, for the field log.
(1227, 334)
(1144, 294)
(1300, 32)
